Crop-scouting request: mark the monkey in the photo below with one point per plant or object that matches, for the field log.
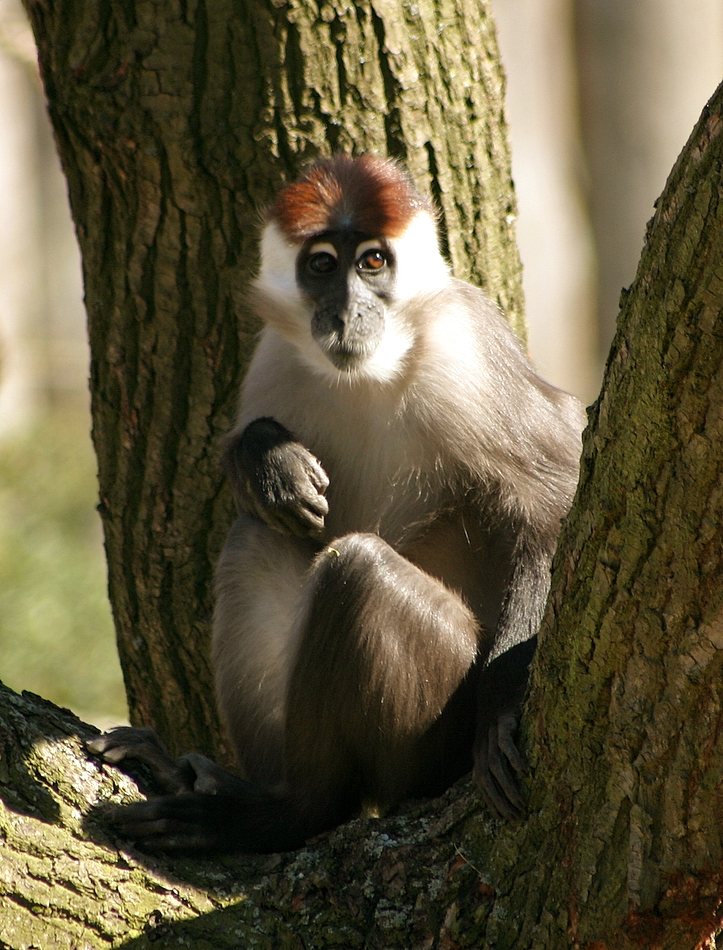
(401, 473)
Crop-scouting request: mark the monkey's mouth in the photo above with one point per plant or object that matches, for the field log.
(347, 355)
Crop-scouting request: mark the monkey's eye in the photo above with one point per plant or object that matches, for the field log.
(322, 262)
(372, 260)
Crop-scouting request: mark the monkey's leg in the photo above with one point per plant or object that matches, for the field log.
(378, 706)
(259, 584)
(380, 703)
(259, 580)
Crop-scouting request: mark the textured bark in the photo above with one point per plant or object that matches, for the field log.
(404, 882)
(625, 718)
(175, 122)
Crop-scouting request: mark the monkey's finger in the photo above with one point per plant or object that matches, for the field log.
(148, 826)
(296, 514)
(506, 731)
(169, 824)
(210, 778)
(142, 746)
(497, 781)
(301, 494)
(318, 476)
(124, 741)
(298, 521)
(312, 521)
(303, 514)
(488, 788)
(507, 783)
(99, 744)
(497, 803)
(312, 528)
(314, 503)
(301, 466)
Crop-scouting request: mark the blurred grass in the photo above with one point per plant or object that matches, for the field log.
(56, 633)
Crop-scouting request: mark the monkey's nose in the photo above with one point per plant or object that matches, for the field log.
(332, 315)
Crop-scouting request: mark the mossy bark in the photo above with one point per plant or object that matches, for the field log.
(64, 884)
(175, 122)
(624, 722)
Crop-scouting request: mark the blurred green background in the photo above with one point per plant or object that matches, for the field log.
(56, 633)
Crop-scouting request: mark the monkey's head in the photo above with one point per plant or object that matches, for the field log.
(344, 250)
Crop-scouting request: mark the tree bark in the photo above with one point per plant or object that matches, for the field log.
(622, 845)
(175, 123)
(404, 882)
(625, 715)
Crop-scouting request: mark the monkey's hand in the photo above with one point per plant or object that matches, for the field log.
(498, 764)
(278, 480)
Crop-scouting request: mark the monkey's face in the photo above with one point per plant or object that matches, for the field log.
(348, 280)
(345, 298)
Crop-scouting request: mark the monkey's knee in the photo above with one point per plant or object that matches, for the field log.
(360, 560)
(378, 626)
(362, 572)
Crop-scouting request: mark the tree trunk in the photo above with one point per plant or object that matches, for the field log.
(174, 124)
(64, 885)
(625, 715)
(622, 845)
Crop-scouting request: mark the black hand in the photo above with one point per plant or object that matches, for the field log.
(498, 764)
(128, 744)
(277, 479)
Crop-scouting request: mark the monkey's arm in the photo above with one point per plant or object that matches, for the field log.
(276, 479)
(498, 764)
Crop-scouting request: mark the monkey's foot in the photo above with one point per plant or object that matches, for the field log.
(189, 773)
(187, 823)
(244, 817)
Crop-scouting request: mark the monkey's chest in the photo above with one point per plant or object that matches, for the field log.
(383, 490)
(383, 507)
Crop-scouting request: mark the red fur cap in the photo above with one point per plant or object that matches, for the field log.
(371, 195)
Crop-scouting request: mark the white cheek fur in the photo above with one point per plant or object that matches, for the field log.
(421, 269)
(386, 363)
(277, 275)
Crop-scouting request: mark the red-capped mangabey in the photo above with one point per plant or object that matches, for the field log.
(401, 473)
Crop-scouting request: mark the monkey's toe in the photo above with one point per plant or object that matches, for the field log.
(129, 745)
